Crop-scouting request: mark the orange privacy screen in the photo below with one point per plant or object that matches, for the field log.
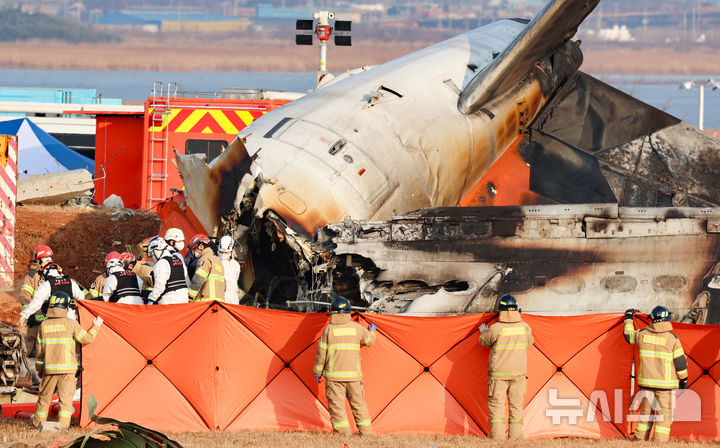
(203, 366)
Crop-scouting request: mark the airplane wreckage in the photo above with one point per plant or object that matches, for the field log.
(485, 164)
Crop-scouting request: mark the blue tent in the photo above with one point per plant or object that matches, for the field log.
(40, 152)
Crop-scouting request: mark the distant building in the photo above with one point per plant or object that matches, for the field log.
(173, 20)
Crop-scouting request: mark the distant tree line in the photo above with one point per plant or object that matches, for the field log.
(18, 25)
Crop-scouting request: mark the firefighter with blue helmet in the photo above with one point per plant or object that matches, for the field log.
(508, 340)
(662, 369)
(338, 360)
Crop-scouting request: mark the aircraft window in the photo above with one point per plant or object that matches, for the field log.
(566, 284)
(619, 283)
(211, 148)
(671, 283)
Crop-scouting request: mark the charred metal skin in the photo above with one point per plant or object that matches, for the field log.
(12, 356)
(557, 260)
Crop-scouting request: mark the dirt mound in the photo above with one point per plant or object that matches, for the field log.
(79, 237)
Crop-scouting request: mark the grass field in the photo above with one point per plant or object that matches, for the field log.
(14, 433)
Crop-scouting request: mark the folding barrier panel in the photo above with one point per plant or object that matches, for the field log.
(205, 366)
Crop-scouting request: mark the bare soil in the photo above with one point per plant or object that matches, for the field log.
(80, 237)
(256, 53)
(14, 432)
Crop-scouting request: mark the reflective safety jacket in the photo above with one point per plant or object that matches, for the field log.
(170, 280)
(508, 340)
(662, 359)
(31, 283)
(338, 354)
(55, 345)
(96, 288)
(144, 272)
(208, 282)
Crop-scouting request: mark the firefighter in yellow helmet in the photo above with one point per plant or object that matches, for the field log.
(208, 282)
(508, 340)
(662, 369)
(338, 359)
(56, 358)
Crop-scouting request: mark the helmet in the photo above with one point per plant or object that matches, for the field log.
(340, 305)
(114, 255)
(226, 244)
(198, 239)
(156, 246)
(51, 269)
(60, 299)
(507, 303)
(42, 251)
(660, 314)
(126, 258)
(144, 243)
(113, 264)
(174, 234)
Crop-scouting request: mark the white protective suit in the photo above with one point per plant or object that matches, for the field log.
(231, 268)
(111, 286)
(42, 295)
(161, 274)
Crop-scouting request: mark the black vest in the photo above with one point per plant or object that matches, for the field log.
(63, 284)
(177, 275)
(127, 285)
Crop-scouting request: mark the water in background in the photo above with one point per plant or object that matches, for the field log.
(661, 91)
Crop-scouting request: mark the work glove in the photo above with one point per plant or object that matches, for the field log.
(683, 383)
(317, 378)
(630, 312)
(483, 328)
(22, 322)
(372, 327)
(98, 321)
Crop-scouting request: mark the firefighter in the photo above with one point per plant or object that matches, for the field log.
(96, 288)
(508, 340)
(169, 275)
(57, 359)
(662, 369)
(54, 281)
(43, 255)
(231, 267)
(144, 267)
(208, 282)
(121, 286)
(338, 359)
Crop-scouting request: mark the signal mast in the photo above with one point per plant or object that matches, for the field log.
(322, 29)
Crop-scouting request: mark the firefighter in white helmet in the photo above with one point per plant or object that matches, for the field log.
(169, 275)
(121, 286)
(231, 268)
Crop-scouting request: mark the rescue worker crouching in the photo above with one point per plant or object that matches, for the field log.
(96, 288)
(208, 282)
(55, 281)
(57, 359)
(170, 282)
(338, 359)
(508, 340)
(122, 286)
(662, 369)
